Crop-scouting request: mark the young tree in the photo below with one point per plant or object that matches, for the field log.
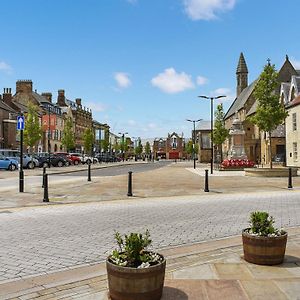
(220, 132)
(32, 131)
(139, 148)
(147, 148)
(189, 148)
(88, 140)
(270, 112)
(68, 139)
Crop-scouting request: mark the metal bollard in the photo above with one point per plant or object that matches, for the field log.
(45, 180)
(206, 181)
(89, 172)
(129, 194)
(290, 186)
(44, 172)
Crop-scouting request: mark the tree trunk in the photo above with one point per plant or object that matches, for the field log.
(270, 150)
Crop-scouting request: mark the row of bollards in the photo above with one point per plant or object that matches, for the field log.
(129, 192)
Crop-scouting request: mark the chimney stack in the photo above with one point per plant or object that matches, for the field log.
(24, 86)
(48, 96)
(61, 99)
(7, 96)
(78, 102)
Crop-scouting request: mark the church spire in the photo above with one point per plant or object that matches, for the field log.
(241, 75)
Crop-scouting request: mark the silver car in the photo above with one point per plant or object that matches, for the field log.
(28, 161)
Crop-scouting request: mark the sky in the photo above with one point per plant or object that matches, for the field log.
(140, 64)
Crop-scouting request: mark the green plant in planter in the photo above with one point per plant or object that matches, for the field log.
(132, 251)
(262, 225)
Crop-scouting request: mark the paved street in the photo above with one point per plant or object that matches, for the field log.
(37, 240)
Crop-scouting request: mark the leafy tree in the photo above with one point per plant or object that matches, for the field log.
(68, 139)
(189, 148)
(270, 112)
(220, 132)
(32, 131)
(88, 139)
(147, 148)
(139, 148)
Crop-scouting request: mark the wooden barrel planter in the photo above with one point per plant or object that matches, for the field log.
(135, 284)
(263, 250)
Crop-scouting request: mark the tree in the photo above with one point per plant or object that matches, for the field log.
(32, 131)
(88, 139)
(139, 148)
(220, 132)
(147, 148)
(68, 139)
(270, 111)
(189, 148)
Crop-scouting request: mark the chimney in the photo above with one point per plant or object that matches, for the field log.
(78, 102)
(24, 86)
(61, 98)
(48, 96)
(7, 96)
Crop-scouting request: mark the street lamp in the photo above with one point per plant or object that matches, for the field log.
(123, 135)
(194, 139)
(211, 127)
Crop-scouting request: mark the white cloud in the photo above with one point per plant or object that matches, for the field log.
(96, 107)
(207, 9)
(152, 125)
(172, 82)
(295, 63)
(223, 91)
(122, 79)
(202, 80)
(131, 123)
(5, 67)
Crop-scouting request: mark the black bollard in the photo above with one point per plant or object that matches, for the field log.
(89, 172)
(44, 172)
(45, 180)
(206, 181)
(290, 186)
(129, 194)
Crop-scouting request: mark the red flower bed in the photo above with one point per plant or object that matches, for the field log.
(237, 163)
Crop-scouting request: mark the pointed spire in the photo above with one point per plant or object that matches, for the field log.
(242, 66)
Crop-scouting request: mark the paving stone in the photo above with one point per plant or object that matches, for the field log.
(290, 287)
(196, 272)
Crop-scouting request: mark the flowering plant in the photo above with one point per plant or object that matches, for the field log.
(237, 163)
(132, 251)
(262, 225)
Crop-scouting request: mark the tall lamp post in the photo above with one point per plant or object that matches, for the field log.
(212, 127)
(194, 139)
(123, 136)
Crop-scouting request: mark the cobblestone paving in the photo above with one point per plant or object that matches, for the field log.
(41, 240)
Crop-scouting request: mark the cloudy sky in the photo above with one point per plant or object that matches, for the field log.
(140, 64)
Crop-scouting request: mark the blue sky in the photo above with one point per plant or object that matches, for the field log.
(140, 64)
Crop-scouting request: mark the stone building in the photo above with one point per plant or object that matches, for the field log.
(202, 135)
(255, 142)
(171, 147)
(82, 117)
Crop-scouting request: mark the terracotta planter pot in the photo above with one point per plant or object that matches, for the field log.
(135, 284)
(264, 250)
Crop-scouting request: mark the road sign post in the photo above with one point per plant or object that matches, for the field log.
(21, 126)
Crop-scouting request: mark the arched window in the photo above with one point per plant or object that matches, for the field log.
(293, 96)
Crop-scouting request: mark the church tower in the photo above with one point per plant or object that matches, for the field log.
(241, 75)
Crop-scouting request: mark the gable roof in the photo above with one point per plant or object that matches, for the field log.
(240, 101)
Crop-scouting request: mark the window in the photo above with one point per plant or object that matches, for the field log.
(294, 116)
(295, 153)
(174, 143)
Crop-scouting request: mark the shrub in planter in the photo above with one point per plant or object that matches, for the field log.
(263, 244)
(134, 272)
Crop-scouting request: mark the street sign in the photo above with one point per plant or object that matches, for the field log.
(20, 122)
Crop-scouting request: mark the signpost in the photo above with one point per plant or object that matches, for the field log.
(21, 126)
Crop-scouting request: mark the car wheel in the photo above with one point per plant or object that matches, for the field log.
(30, 165)
(67, 163)
(88, 161)
(12, 167)
(76, 162)
(60, 164)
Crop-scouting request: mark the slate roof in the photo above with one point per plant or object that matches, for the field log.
(295, 102)
(242, 66)
(240, 101)
(6, 107)
(279, 132)
(203, 125)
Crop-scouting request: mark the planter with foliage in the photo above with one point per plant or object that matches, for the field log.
(134, 272)
(263, 244)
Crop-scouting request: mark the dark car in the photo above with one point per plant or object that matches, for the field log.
(106, 157)
(279, 157)
(55, 160)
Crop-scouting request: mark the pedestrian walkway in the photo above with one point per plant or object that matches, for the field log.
(208, 270)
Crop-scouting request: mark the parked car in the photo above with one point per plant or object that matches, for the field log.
(73, 159)
(106, 157)
(29, 161)
(55, 160)
(85, 159)
(8, 163)
(280, 157)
